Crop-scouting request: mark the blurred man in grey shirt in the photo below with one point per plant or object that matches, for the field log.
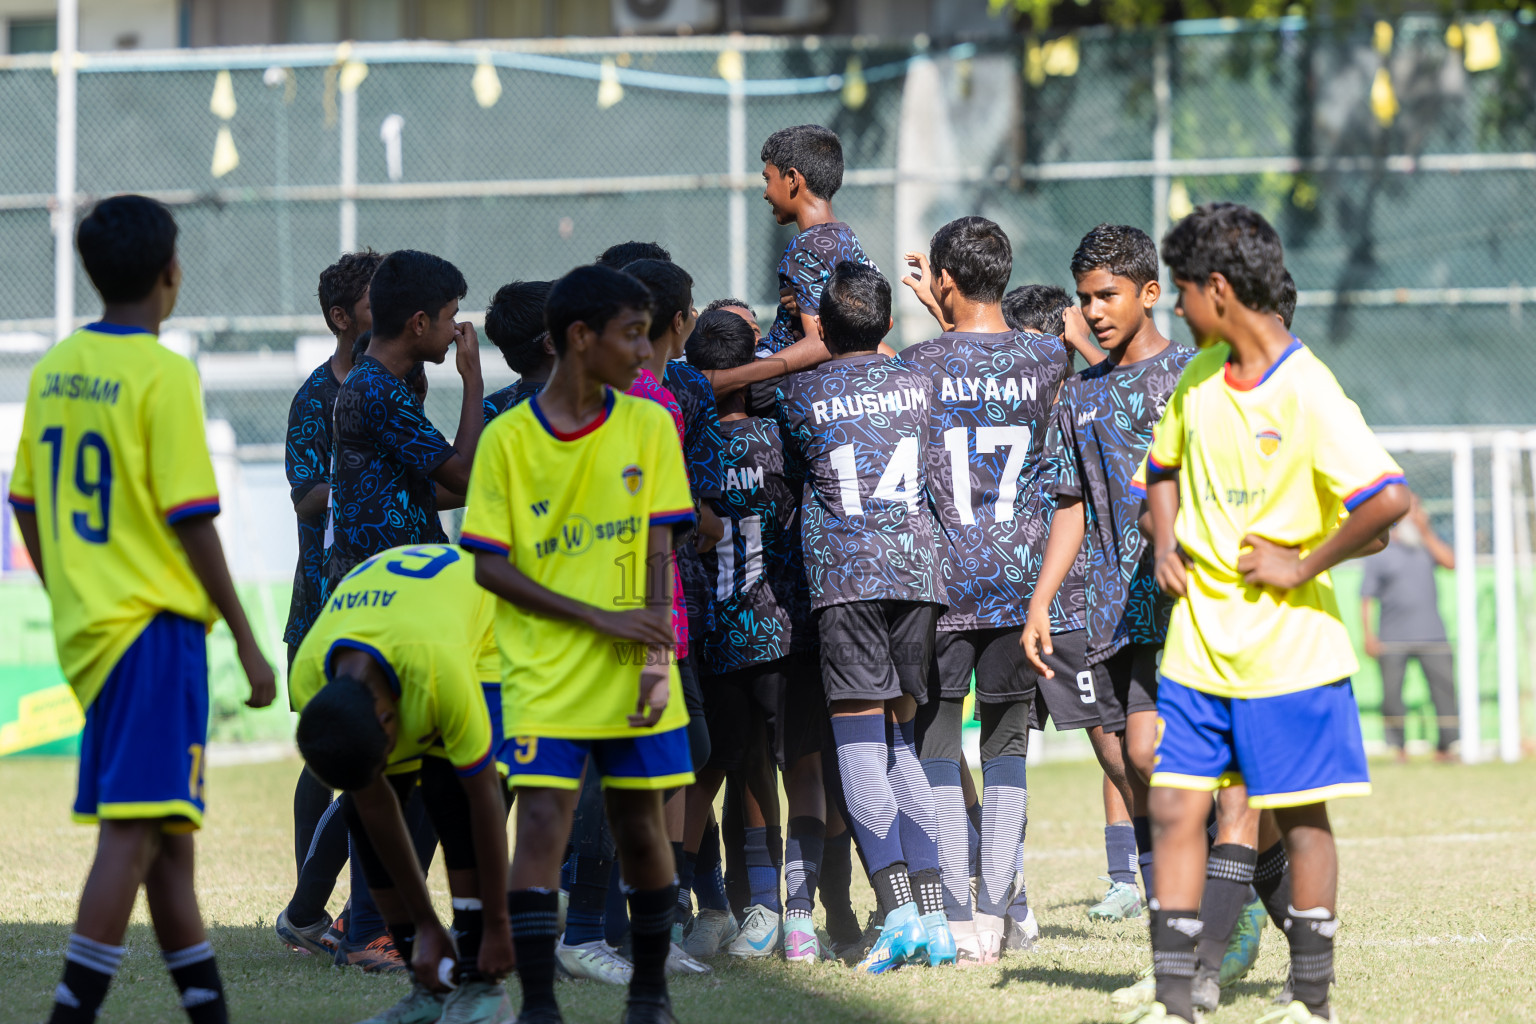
(1402, 580)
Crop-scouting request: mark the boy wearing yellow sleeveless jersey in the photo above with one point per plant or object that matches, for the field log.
(1258, 454)
(388, 686)
(115, 496)
(571, 508)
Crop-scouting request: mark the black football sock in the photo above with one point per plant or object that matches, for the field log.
(738, 891)
(892, 888)
(708, 880)
(589, 899)
(1120, 852)
(1004, 806)
(1228, 871)
(1143, 827)
(650, 931)
(928, 889)
(1174, 935)
(1272, 881)
(836, 880)
(197, 979)
(1310, 933)
(468, 928)
(311, 800)
(324, 858)
(916, 820)
(951, 827)
(863, 755)
(973, 830)
(802, 863)
(534, 914)
(687, 864)
(404, 936)
(89, 967)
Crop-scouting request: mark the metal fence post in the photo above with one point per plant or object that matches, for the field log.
(1464, 502)
(1505, 444)
(348, 128)
(736, 143)
(64, 174)
(1162, 152)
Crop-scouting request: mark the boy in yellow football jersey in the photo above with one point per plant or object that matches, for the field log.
(388, 686)
(572, 503)
(115, 496)
(1258, 455)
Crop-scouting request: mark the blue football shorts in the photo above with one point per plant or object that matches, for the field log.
(142, 754)
(657, 760)
(1290, 750)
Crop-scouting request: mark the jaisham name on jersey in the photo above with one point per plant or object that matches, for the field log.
(849, 406)
(988, 389)
(103, 390)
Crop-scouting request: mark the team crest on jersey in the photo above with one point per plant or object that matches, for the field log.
(633, 476)
(1268, 442)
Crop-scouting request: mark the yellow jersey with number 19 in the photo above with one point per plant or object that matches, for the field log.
(573, 513)
(419, 612)
(113, 453)
(1283, 457)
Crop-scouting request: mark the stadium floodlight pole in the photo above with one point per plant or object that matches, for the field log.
(1464, 503)
(64, 171)
(1505, 445)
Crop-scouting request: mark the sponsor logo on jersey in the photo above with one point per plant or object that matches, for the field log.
(633, 477)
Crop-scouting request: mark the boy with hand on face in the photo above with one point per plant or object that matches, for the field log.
(394, 470)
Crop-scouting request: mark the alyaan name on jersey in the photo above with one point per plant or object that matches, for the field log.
(988, 389)
(850, 406)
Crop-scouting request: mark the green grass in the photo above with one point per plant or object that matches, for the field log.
(1438, 907)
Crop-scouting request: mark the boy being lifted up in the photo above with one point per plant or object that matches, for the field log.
(1258, 455)
(575, 496)
(115, 497)
(802, 171)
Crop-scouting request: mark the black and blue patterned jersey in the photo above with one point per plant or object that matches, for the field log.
(808, 262)
(701, 434)
(857, 428)
(1104, 422)
(382, 494)
(307, 461)
(761, 603)
(993, 395)
(519, 391)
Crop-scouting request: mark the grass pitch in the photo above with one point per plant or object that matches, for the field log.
(1438, 903)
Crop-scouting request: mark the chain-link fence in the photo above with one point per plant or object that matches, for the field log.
(1397, 160)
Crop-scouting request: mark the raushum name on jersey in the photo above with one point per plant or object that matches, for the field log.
(870, 403)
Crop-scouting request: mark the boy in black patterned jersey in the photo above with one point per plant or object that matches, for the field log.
(1104, 424)
(514, 322)
(860, 424)
(760, 650)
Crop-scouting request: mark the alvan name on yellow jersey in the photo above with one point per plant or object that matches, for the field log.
(418, 612)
